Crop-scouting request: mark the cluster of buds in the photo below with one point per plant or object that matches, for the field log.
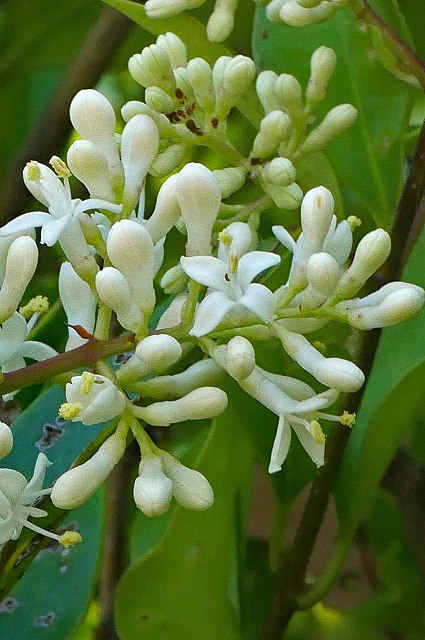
(216, 302)
(300, 13)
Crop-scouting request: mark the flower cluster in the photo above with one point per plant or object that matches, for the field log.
(215, 303)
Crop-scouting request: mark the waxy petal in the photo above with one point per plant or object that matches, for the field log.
(210, 313)
(206, 270)
(281, 445)
(51, 230)
(260, 301)
(37, 350)
(25, 222)
(315, 450)
(253, 263)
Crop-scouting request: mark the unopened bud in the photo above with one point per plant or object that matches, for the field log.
(230, 179)
(190, 488)
(339, 242)
(167, 210)
(322, 67)
(220, 23)
(76, 486)
(198, 194)
(174, 47)
(202, 373)
(135, 107)
(152, 489)
(159, 351)
(165, 8)
(265, 88)
(158, 100)
(323, 273)
(231, 76)
(274, 128)
(130, 249)
(240, 358)
(139, 145)
(336, 121)
(21, 264)
(297, 16)
(201, 79)
(153, 67)
(115, 292)
(90, 166)
(280, 172)
(316, 216)
(174, 280)
(289, 92)
(168, 160)
(398, 306)
(202, 403)
(289, 197)
(6, 439)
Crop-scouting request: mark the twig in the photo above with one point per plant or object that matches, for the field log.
(50, 132)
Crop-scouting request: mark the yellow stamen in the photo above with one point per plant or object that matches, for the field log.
(68, 410)
(39, 304)
(60, 167)
(320, 346)
(34, 172)
(354, 222)
(87, 382)
(317, 433)
(233, 263)
(224, 237)
(70, 538)
(348, 419)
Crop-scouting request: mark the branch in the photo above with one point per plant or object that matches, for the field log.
(51, 130)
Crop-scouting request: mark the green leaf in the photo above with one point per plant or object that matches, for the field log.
(367, 159)
(193, 34)
(53, 594)
(188, 585)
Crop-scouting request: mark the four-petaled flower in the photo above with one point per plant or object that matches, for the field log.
(232, 287)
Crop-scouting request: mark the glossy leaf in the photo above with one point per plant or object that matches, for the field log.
(367, 159)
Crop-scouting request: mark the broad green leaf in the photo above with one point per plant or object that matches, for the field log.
(193, 34)
(412, 11)
(367, 159)
(188, 585)
(54, 592)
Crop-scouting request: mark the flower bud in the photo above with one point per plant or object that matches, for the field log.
(289, 197)
(230, 179)
(240, 358)
(130, 249)
(152, 490)
(293, 14)
(316, 216)
(139, 146)
(159, 351)
(165, 8)
(200, 76)
(323, 273)
(168, 160)
(93, 118)
(220, 23)
(174, 47)
(322, 67)
(289, 92)
(78, 303)
(336, 121)
(280, 172)
(152, 67)
(190, 488)
(90, 166)
(202, 403)
(115, 292)
(335, 373)
(198, 194)
(339, 242)
(167, 210)
(135, 107)
(158, 100)
(372, 251)
(273, 130)
(6, 440)
(174, 280)
(92, 399)
(21, 264)
(231, 77)
(202, 373)
(183, 84)
(265, 88)
(76, 486)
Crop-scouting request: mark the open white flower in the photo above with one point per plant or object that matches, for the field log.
(14, 347)
(91, 399)
(16, 499)
(232, 287)
(63, 211)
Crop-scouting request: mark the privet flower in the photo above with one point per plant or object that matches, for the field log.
(92, 398)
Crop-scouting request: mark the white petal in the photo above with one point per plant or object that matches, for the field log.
(96, 203)
(312, 448)
(210, 313)
(281, 445)
(284, 237)
(36, 482)
(12, 334)
(260, 301)
(52, 229)
(13, 364)
(253, 263)
(37, 350)
(320, 401)
(206, 270)
(25, 222)
(7, 529)
(12, 484)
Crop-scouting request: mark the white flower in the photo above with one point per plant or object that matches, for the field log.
(16, 499)
(233, 287)
(91, 399)
(14, 347)
(64, 211)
